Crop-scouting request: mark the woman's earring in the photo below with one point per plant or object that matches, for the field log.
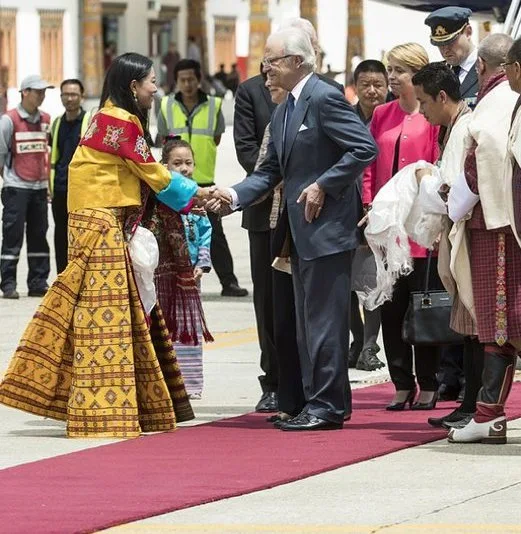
(134, 95)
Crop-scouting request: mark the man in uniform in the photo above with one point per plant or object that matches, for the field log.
(452, 34)
(24, 167)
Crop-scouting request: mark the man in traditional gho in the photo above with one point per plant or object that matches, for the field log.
(438, 91)
(492, 246)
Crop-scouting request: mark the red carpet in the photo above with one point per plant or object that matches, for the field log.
(122, 482)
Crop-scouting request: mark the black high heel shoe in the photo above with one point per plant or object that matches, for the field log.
(426, 405)
(399, 406)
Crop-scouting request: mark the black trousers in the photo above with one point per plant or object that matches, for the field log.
(322, 302)
(451, 367)
(473, 362)
(262, 278)
(24, 209)
(61, 220)
(220, 252)
(290, 391)
(398, 353)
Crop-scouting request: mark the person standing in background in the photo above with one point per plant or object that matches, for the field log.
(24, 166)
(66, 132)
(197, 119)
(170, 60)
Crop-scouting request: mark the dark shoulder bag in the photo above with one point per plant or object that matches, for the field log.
(427, 318)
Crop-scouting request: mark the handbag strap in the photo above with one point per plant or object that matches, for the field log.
(427, 273)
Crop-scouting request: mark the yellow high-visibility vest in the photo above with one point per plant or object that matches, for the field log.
(55, 153)
(198, 129)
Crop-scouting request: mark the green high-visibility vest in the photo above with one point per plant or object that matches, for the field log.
(55, 153)
(198, 129)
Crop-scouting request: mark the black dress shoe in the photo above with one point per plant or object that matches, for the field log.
(11, 294)
(37, 292)
(233, 290)
(307, 421)
(354, 353)
(458, 424)
(452, 417)
(268, 402)
(368, 360)
(447, 393)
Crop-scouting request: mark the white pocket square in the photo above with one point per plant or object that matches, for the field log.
(302, 128)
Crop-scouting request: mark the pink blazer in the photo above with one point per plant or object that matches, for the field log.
(418, 140)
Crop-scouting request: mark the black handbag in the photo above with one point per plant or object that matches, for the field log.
(427, 319)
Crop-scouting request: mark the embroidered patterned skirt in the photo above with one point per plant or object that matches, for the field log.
(88, 355)
(484, 268)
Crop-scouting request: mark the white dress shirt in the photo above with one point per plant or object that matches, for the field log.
(467, 65)
(296, 92)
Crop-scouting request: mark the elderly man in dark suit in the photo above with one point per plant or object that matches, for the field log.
(253, 109)
(319, 148)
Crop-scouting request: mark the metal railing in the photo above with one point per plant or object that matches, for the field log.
(512, 24)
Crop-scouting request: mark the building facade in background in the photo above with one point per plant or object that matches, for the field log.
(78, 38)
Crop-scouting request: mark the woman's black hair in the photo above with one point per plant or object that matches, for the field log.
(116, 86)
(172, 142)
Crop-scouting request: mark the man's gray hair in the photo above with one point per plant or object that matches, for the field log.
(304, 25)
(494, 48)
(296, 42)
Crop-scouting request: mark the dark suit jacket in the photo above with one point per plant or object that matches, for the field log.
(326, 143)
(469, 87)
(253, 109)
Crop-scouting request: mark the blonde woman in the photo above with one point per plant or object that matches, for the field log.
(404, 136)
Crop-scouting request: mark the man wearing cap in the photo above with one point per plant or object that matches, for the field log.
(24, 167)
(452, 34)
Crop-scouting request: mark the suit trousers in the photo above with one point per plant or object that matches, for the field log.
(262, 278)
(61, 220)
(398, 353)
(322, 302)
(290, 392)
(24, 209)
(220, 253)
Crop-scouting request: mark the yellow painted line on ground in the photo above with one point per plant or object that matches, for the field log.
(359, 529)
(234, 338)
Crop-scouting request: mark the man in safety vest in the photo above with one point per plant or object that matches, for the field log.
(197, 118)
(24, 166)
(66, 132)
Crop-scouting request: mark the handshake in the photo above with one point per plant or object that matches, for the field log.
(216, 199)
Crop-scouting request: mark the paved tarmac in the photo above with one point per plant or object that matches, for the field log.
(437, 488)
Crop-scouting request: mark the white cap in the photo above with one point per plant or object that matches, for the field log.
(34, 81)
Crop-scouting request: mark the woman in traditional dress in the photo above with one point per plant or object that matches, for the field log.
(91, 355)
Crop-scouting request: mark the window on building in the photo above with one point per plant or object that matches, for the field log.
(113, 23)
(51, 45)
(7, 48)
(224, 51)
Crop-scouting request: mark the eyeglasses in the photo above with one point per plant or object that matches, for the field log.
(506, 63)
(269, 61)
